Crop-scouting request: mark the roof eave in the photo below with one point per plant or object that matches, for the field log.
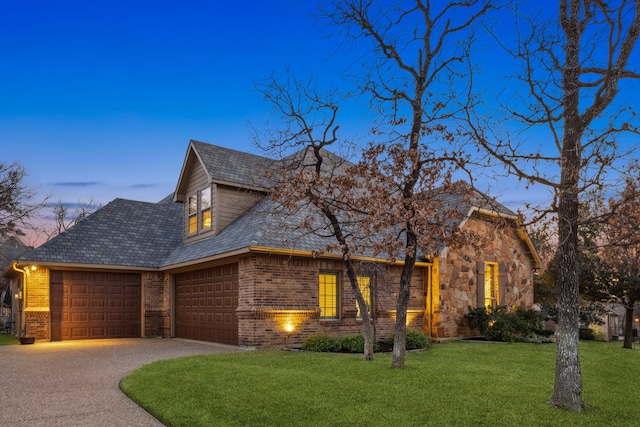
(537, 262)
(187, 165)
(82, 266)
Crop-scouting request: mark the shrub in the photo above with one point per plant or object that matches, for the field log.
(351, 344)
(355, 343)
(417, 340)
(502, 325)
(587, 334)
(320, 342)
(478, 319)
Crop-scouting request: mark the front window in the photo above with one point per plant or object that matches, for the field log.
(193, 214)
(205, 208)
(364, 283)
(328, 295)
(491, 288)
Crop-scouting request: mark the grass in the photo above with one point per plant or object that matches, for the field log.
(8, 340)
(453, 384)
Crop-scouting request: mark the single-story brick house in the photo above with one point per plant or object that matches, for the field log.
(210, 263)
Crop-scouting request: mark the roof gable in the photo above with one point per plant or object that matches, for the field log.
(224, 166)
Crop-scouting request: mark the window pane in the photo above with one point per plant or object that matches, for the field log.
(205, 199)
(206, 219)
(193, 204)
(328, 296)
(490, 285)
(364, 283)
(193, 226)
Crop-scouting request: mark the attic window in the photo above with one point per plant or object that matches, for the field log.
(205, 208)
(193, 214)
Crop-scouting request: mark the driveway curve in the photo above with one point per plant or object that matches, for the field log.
(76, 383)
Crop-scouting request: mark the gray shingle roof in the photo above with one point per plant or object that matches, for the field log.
(149, 235)
(122, 233)
(469, 197)
(225, 164)
(256, 227)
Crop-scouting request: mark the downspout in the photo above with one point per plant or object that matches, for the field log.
(23, 303)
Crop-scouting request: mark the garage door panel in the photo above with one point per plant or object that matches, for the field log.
(78, 317)
(115, 290)
(98, 290)
(115, 303)
(95, 305)
(78, 289)
(97, 317)
(205, 307)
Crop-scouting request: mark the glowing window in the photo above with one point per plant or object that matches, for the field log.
(205, 208)
(328, 295)
(491, 288)
(193, 214)
(206, 219)
(364, 283)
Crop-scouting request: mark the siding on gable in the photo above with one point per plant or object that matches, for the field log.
(197, 181)
(231, 203)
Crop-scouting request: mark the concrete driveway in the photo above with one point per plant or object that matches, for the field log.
(75, 383)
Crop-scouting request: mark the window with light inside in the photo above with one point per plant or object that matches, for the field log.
(205, 208)
(328, 295)
(193, 214)
(491, 286)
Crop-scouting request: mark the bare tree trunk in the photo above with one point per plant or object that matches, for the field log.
(404, 292)
(367, 327)
(567, 391)
(628, 326)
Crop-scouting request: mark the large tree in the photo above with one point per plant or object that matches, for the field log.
(574, 63)
(413, 74)
(18, 203)
(621, 251)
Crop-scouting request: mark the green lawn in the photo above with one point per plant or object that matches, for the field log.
(453, 384)
(8, 339)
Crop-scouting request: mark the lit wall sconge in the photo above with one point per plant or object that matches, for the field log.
(19, 295)
(34, 267)
(288, 327)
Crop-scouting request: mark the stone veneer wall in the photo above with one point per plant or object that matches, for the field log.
(156, 291)
(458, 275)
(276, 291)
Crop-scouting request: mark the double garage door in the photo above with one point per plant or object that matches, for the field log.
(86, 305)
(206, 303)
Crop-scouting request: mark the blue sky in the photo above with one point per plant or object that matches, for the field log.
(99, 99)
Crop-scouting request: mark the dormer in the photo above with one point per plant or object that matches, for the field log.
(216, 186)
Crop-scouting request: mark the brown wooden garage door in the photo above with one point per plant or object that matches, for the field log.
(87, 305)
(206, 302)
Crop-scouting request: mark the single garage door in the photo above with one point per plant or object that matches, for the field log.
(88, 305)
(206, 303)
